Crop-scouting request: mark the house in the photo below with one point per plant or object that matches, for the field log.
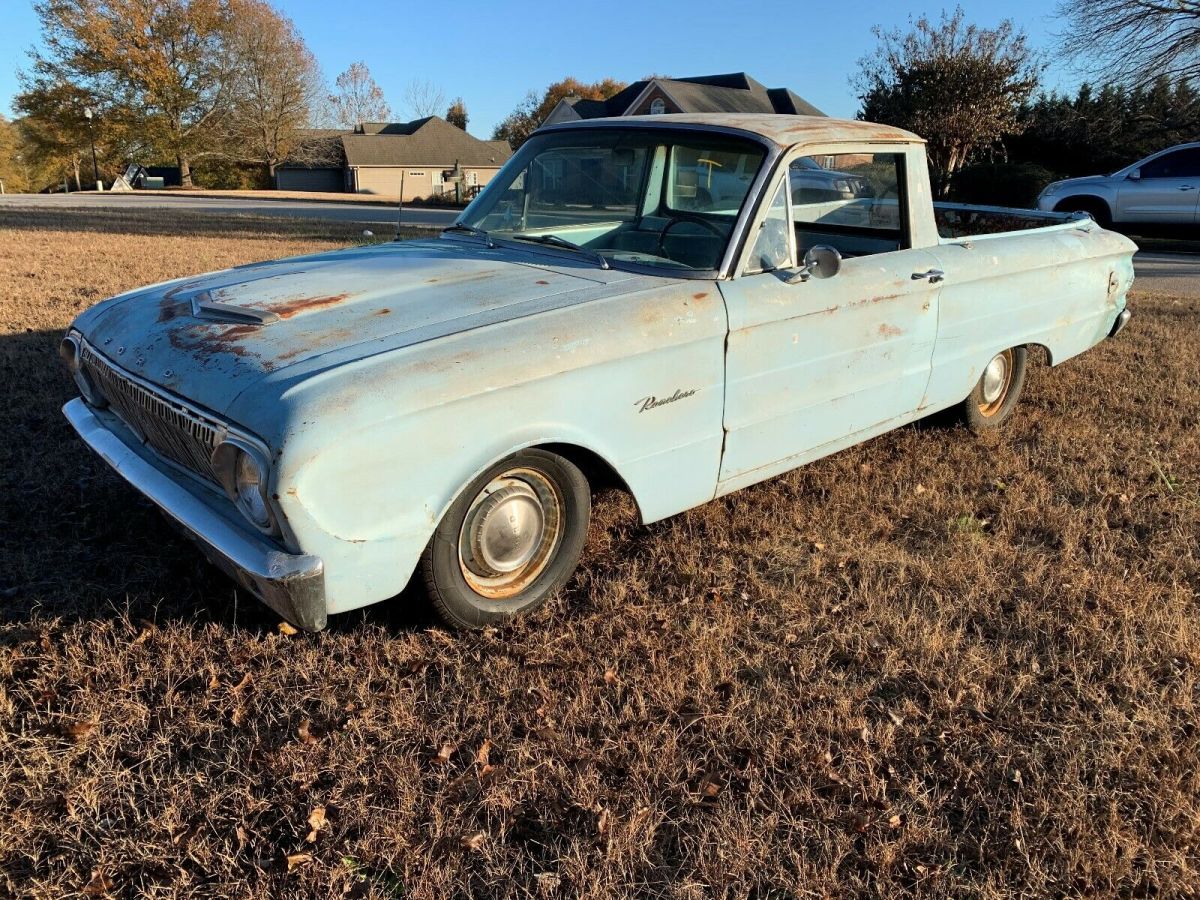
(736, 92)
(375, 156)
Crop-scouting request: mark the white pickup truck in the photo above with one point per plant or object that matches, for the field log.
(683, 305)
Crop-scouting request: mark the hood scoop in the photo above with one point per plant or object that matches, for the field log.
(205, 307)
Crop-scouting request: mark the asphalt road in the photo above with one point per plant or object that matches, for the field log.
(1168, 273)
(1173, 273)
(366, 214)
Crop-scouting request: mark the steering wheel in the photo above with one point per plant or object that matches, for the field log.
(680, 218)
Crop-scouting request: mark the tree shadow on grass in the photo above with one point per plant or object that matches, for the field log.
(193, 223)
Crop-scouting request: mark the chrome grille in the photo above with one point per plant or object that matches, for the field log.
(167, 427)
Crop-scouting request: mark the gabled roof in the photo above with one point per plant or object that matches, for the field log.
(733, 92)
(431, 141)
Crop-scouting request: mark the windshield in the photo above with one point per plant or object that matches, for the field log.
(651, 196)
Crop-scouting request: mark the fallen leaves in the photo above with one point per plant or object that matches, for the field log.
(287, 629)
(99, 885)
(296, 860)
(474, 842)
(316, 822)
(304, 732)
(79, 731)
(443, 755)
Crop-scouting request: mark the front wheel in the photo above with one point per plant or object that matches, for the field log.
(996, 393)
(511, 540)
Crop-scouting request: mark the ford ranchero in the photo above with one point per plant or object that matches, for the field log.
(684, 304)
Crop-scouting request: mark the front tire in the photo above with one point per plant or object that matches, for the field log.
(511, 539)
(995, 395)
(1094, 207)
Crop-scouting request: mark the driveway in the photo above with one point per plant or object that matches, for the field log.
(335, 212)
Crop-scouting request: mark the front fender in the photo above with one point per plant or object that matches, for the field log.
(376, 453)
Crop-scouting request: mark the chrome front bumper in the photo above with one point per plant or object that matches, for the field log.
(291, 584)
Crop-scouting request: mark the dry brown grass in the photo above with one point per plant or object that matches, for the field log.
(935, 663)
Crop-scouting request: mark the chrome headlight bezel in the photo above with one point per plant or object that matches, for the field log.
(234, 457)
(70, 348)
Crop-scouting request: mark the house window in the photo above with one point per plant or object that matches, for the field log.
(657, 106)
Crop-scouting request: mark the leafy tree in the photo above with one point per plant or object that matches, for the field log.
(456, 115)
(534, 109)
(159, 71)
(55, 131)
(1135, 41)
(276, 89)
(14, 168)
(1107, 128)
(358, 98)
(423, 98)
(959, 86)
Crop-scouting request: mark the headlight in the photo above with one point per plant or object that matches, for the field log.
(71, 351)
(243, 472)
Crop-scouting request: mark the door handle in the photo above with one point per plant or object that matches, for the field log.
(933, 276)
(1188, 187)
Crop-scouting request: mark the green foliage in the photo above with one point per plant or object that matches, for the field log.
(1103, 130)
(1000, 184)
(959, 86)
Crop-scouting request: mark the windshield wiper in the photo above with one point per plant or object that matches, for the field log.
(555, 241)
(470, 229)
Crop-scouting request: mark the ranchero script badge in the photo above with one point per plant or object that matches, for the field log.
(652, 402)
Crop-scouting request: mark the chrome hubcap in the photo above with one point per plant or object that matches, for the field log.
(510, 533)
(995, 379)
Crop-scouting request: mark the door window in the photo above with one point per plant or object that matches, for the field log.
(854, 202)
(1180, 164)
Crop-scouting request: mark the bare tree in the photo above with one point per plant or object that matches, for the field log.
(423, 98)
(358, 98)
(277, 87)
(957, 85)
(1134, 41)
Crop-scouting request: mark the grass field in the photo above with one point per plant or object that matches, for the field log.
(952, 665)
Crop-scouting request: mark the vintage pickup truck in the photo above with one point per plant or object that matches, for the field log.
(682, 304)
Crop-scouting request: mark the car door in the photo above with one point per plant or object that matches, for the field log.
(815, 366)
(1166, 189)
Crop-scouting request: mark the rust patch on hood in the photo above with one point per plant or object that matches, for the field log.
(886, 330)
(295, 306)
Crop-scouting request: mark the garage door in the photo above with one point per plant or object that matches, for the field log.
(309, 180)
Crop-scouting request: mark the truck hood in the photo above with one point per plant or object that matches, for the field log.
(209, 338)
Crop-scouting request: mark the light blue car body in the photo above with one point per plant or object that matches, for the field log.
(392, 375)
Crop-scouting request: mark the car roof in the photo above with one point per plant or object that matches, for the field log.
(778, 129)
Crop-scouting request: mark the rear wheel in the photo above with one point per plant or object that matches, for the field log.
(996, 393)
(510, 541)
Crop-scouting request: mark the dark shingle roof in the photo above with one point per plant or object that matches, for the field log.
(425, 142)
(734, 92)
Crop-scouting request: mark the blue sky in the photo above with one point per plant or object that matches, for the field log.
(507, 48)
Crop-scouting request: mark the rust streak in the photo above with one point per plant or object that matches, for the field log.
(290, 308)
(887, 330)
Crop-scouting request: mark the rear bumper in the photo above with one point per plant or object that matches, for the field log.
(1119, 325)
(291, 584)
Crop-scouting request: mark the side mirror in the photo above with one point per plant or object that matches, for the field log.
(821, 261)
(1135, 175)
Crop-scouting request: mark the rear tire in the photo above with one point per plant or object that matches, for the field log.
(511, 539)
(995, 395)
